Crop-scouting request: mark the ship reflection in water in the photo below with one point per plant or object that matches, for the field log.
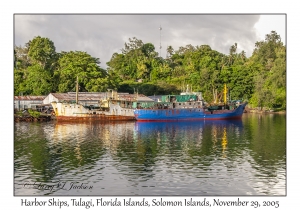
(149, 158)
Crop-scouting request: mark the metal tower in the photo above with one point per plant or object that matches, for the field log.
(160, 28)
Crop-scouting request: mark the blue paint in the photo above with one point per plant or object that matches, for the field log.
(187, 114)
(165, 127)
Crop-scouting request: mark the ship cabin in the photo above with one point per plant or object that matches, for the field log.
(174, 102)
(123, 100)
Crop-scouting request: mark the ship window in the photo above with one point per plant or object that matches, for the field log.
(179, 103)
(190, 103)
(94, 112)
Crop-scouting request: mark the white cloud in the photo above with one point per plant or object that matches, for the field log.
(100, 35)
(268, 23)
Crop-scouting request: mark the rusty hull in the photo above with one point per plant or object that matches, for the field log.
(77, 112)
(94, 117)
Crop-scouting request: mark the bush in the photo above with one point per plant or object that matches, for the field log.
(33, 113)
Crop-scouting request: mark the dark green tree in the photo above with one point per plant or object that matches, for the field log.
(86, 67)
(42, 51)
(34, 67)
(269, 81)
(38, 81)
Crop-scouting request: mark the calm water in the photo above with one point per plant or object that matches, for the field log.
(244, 157)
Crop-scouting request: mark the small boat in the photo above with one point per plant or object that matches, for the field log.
(187, 106)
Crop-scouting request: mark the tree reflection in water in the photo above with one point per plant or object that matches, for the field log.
(222, 157)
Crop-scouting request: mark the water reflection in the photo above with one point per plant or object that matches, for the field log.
(154, 158)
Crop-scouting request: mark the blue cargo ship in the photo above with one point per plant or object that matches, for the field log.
(186, 107)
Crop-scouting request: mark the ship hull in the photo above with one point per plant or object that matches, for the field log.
(187, 114)
(77, 112)
(95, 117)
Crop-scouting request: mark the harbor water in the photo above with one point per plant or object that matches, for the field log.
(197, 158)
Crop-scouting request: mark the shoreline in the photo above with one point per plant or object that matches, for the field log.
(254, 111)
(43, 118)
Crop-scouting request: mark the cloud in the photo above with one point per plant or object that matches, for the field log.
(102, 35)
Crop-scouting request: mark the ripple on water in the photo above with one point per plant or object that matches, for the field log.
(128, 158)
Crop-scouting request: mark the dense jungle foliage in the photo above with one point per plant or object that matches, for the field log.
(260, 79)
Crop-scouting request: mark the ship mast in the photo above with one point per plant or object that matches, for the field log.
(225, 94)
(77, 90)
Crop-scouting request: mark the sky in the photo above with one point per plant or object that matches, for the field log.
(101, 35)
